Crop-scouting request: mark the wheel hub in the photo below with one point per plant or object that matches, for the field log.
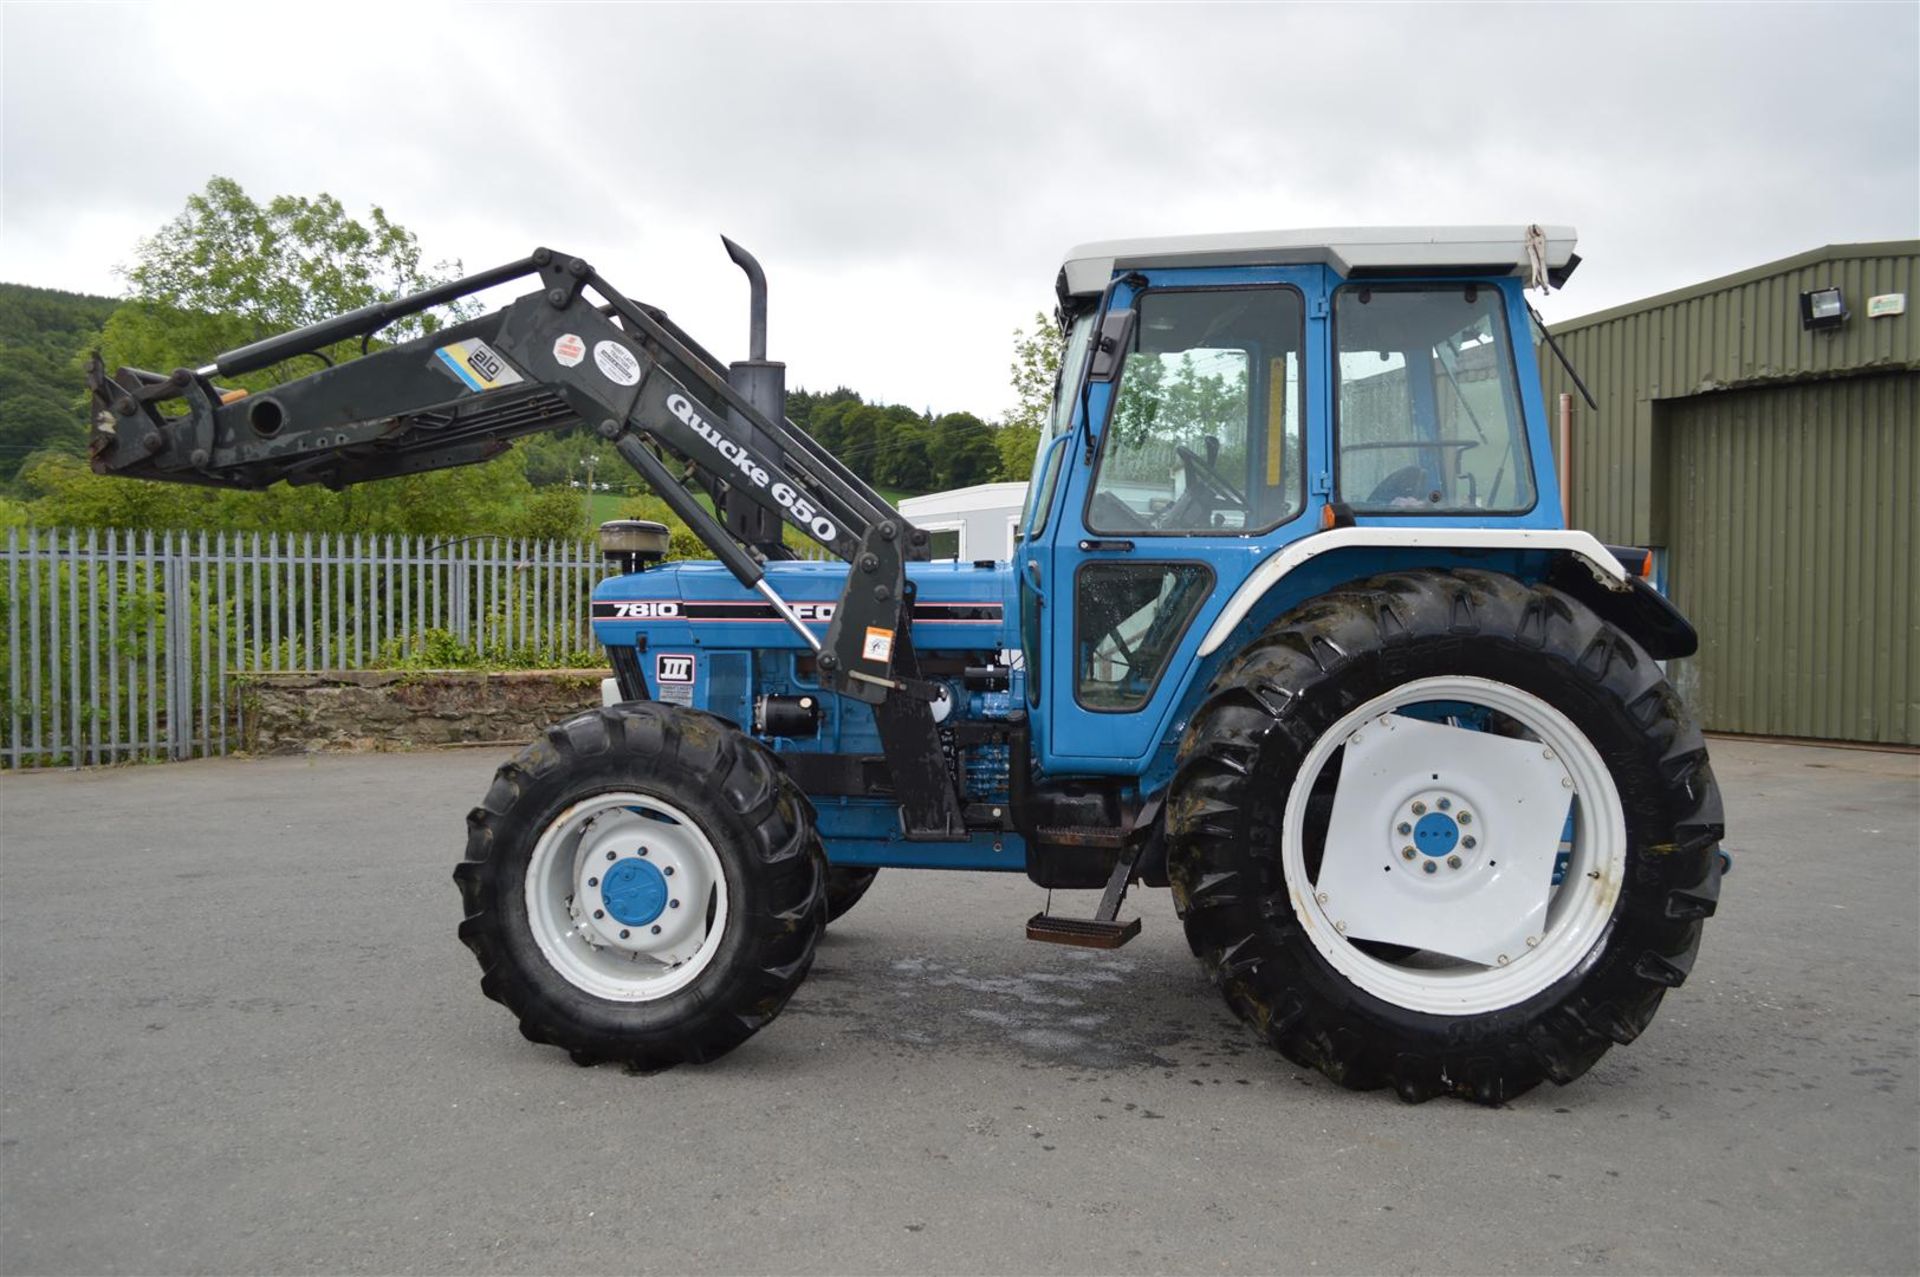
(1436, 834)
(1434, 791)
(634, 889)
(635, 892)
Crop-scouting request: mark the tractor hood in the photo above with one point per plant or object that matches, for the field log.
(957, 606)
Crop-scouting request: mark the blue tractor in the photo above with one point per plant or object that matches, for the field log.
(1293, 626)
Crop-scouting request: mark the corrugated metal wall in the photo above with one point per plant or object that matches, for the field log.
(1778, 466)
(1792, 550)
(1736, 331)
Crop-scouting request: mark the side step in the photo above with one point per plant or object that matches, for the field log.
(1102, 931)
(1087, 933)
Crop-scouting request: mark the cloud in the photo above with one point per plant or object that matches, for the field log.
(911, 176)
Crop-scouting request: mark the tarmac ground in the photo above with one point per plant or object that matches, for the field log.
(240, 1036)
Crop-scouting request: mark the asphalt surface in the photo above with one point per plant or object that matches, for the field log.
(239, 1036)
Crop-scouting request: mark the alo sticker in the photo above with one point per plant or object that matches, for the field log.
(477, 365)
(569, 350)
(879, 645)
(617, 363)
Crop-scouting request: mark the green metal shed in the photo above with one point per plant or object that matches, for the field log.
(1775, 467)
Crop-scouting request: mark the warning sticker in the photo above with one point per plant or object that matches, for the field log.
(879, 645)
(569, 350)
(477, 365)
(617, 362)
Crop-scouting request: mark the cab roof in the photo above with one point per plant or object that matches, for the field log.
(1349, 250)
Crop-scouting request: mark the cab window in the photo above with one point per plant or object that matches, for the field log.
(1428, 405)
(1206, 431)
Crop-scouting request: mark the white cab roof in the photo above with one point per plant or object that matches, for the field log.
(1346, 249)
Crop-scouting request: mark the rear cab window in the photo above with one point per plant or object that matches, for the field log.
(1427, 404)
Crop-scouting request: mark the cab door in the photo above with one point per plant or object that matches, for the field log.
(1199, 469)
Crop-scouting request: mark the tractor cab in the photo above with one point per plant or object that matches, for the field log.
(1223, 397)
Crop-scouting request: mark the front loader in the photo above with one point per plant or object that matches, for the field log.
(1292, 625)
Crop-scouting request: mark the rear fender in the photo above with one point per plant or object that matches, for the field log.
(1575, 562)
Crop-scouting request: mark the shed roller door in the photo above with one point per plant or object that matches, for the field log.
(1791, 533)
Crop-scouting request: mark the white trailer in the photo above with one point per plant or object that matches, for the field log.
(970, 523)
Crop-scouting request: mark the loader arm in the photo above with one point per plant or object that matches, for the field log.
(550, 360)
(574, 351)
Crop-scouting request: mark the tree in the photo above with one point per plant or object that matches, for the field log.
(554, 513)
(227, 271)
(1036, 368)
(42, 395)
(1035, 378)
(1017, 446)
(963, 451)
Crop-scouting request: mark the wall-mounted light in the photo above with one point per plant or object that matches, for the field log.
(1823, 308)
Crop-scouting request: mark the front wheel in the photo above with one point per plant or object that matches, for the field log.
(1446, 832)
(643, 885)
(845, 885)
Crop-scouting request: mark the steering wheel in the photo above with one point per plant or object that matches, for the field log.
(1408, 483)
(1209, 478)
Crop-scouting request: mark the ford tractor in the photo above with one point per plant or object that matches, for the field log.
(1292, 625)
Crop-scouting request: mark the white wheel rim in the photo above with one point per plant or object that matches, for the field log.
(1524, 932)
(626, 897)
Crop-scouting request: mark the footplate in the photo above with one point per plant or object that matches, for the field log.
(1087, 933)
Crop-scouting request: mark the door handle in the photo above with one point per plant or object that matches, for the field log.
(1094, 543)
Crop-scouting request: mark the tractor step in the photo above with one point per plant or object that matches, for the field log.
(1087, 933)
(1103, 930)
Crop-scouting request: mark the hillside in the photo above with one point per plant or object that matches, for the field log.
(42, 334)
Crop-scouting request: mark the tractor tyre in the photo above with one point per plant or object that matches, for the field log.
(642, 885)
(845, 885)
(1446, 832)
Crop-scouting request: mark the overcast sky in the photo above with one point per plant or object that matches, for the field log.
(911, 176)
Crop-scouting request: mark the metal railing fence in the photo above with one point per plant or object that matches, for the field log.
(121, 645)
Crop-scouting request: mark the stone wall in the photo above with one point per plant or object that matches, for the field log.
(316, 710)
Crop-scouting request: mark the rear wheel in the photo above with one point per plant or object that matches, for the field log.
(1445, 832)
(642, 885)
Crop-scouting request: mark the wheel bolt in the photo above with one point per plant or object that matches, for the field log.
(1445, 804)
(613, 855)
(668, 871)
(656, 931)
(624, 933)
(599, 913)
(1453, 862)
(1406, 853)
(673, 904)
(1430, 867)
(593, 882)
(1469, 842)
(643, 851)
(1405, 829)
(1465, 818)
(1419, 809)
